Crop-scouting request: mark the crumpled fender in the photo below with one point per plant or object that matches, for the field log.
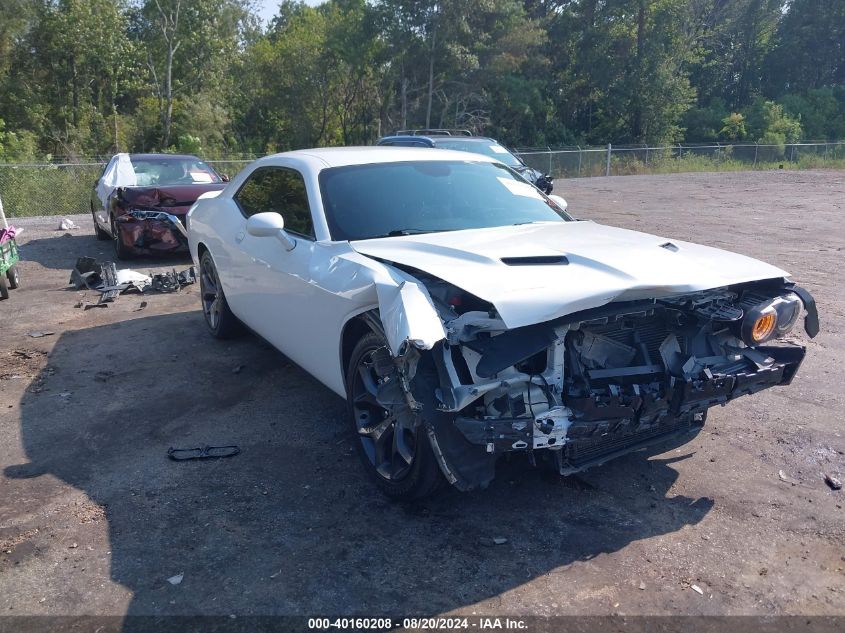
(406, 310)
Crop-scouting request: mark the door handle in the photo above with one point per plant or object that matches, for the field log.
(240, 237)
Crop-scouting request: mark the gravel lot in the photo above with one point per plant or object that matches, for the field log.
(94, 518)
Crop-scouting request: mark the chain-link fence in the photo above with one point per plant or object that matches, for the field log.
(65, 188)
(618, 160)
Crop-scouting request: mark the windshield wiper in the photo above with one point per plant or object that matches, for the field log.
(400, 232)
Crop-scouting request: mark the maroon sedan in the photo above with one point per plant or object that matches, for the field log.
(141, 200)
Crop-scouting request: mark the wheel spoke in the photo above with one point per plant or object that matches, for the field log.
(385, 428)
(367, 399)
(376, 432)
(400, 445)
(209, 283)
(365, 370)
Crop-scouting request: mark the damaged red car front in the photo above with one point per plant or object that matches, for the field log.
(141, 200)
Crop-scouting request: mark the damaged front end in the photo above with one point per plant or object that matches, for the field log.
(593, 385)
(145, 231)
(152, 220)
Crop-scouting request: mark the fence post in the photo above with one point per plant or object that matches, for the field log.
(579, 160)
(756, 147)
(550, 160)
(792, 154)
(607, 169)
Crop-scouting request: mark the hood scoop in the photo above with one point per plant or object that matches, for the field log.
(536, 260)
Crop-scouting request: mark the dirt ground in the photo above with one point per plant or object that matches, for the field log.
(94, 518)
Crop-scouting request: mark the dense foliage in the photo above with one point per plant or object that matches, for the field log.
(87, 77)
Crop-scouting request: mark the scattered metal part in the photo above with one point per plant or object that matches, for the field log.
(105, 278)
(833, 482)
(86, 273)
(206, 452)
(697, 589)
(790, 480)
(40, 334)
(175, 580)
(173, 281)
(140, 307)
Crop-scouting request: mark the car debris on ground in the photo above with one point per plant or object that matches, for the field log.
(66, 224)
(39, 333)
(205, 452)
(833, 482)
(105, 278)
(177, 579)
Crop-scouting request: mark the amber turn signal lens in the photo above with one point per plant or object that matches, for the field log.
(763, 327)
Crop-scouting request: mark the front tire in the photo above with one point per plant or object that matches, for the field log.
(14, 277)
(100, 234)
(120, 250)
(221, 322)
(392, 443)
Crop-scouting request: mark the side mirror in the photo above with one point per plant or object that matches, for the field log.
(270, 225)
(225, 177)
(559, 201)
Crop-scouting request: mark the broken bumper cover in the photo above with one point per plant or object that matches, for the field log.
(601, 428)
(144, 231)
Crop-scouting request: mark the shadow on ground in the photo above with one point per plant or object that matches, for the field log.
(62, 250)
(292, 525)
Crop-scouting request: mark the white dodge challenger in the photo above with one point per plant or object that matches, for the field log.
(463, 314)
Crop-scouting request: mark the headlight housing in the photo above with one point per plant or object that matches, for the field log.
(770, 319)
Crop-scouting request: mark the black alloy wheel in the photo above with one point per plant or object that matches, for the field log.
(394, 447)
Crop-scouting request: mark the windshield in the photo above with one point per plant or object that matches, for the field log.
(403, 198)
(485, 147)
(172, 171)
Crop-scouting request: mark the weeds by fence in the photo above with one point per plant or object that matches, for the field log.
(65, 188)
(574, 162)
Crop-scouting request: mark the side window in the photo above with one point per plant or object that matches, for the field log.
(277, 190)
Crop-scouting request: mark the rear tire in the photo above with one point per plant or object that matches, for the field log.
(221, 322)
(14, 277)
(4, 291)
(393, 446)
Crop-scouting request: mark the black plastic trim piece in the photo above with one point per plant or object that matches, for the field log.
(811, 320)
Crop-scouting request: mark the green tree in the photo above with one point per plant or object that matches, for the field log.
(734, 127)
(190, 46)
(810, 51)
(69, 73)
(312, 81)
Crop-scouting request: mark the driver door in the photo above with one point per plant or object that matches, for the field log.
(272, 294)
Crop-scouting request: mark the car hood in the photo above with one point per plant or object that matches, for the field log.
(586, 265)
(176, 199)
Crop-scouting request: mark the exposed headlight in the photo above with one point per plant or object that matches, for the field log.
(770, 319)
